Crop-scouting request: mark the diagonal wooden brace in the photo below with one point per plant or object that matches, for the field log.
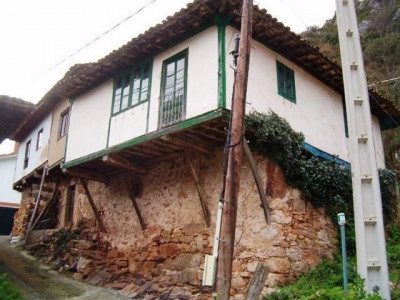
(200, 190)
(89, 196)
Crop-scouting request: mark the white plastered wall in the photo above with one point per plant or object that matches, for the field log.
(88, 128)
(37, 156)
(202, 75)
(7, 169)
(318, 111)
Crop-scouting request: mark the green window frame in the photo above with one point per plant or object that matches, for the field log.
(286, 83)
(131, 88)
(173, 89)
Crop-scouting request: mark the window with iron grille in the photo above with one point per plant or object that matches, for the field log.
(64, 123)
(131, 88)
(286, 86)
(173, 91)
(27, 153)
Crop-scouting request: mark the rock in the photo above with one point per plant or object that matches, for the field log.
(278, 265)
(77, 276)
(133, 266)
(193, 228)
(85, 266)
(246, 254)
(294, 253)
(183, 261)
(299, 205)
(251, 267)
(299, 267)
(122, 271)
(99, 277)
(238, 283)
(169, 250)
(83, 244)
(121, 262)
(113, 253)
(118, 285)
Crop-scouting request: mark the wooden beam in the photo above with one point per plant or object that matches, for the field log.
(257, 178)
(191, 145)
(128, 182)
(122, 163)
(164, 158)
(87, 174)
(200, 191)
(89, 196)
(257, 282)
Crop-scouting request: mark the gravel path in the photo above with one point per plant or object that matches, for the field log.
(37, 281)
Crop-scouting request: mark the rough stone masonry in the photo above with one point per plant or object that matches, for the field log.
(170, 252)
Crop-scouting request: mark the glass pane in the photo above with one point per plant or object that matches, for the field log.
(135, 97)
(170, 69)
(170, 81)
(116, 105)
(136, 83)
(180, 65)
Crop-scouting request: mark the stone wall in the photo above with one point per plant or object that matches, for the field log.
(173, 245)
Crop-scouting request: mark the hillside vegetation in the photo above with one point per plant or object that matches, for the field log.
(379, 25)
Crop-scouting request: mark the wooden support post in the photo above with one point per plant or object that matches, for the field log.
(200, 190)
(257, 282)
(44, 210)
(133, 199)
(28, 231)
(257, 178)
(89, 196)
(234, 162)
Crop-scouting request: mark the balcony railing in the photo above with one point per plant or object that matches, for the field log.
(172, 107)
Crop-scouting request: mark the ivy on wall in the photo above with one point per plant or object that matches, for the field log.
(321, 182)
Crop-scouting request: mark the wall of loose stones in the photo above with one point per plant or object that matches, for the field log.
(176, 238)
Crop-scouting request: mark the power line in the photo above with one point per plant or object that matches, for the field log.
(99, 37)
(383, 81)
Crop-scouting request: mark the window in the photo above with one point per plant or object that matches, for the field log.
(286, 86)
(131, 88)
(39, 139)
(64, 123)
(27, 153)
(173, 92)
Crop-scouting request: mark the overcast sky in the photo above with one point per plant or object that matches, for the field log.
(37, 35)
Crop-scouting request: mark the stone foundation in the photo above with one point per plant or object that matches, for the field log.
(171, 250)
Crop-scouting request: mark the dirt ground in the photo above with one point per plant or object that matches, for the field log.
(36, 281)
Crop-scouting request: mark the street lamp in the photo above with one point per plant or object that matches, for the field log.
(342, 221)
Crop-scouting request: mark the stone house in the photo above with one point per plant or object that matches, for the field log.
(128, 142)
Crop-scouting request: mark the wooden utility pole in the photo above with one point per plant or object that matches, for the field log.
(234, 161)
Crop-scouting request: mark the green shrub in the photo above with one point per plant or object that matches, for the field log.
(324, 282)
(7, 290)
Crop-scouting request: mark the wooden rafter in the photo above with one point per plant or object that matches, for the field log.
(87, 174)
(123, 163)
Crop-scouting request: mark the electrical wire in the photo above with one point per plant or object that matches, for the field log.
(383, 81)
(99, 37)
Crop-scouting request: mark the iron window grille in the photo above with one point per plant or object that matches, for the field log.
(173, 90)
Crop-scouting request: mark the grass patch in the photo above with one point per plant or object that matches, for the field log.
(7, 290)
